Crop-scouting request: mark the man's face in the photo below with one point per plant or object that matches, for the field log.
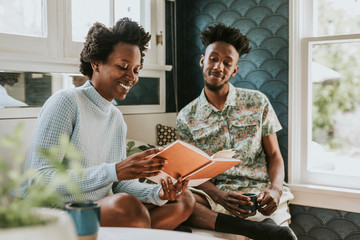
(219, 65)
(115, 77)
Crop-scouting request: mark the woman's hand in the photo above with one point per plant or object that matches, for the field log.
(172, 191)
(140, 165)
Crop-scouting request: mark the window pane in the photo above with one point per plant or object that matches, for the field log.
(21, 89)
(85, 13)
(335, 75)
(338, 17)
(145, 92)
(23, 17)
(127, 8)
(32, 89)
(137, 10)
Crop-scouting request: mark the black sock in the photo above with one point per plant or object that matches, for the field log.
(256, 230)
(182, 228)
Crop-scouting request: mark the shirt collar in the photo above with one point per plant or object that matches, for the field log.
(208, 108)
(205, 106)
(231, 97)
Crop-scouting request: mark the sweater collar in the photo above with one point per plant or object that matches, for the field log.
(95, 97)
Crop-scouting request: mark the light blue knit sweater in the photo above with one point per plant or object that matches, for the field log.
(98, 130)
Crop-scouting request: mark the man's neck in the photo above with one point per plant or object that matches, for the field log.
(218, 98)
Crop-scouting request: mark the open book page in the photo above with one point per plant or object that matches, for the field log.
(198, 150)
(188, 161)
(215, 168)
(218, 166)
(183, 159)
(197, 182)
(162, 175)
(228, 153)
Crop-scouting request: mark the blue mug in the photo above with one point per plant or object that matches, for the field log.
(253, 199)
(86, 217)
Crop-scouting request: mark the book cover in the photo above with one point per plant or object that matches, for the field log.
(190, 162)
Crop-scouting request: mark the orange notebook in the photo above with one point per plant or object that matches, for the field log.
(192, 163)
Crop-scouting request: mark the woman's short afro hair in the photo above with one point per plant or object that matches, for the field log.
(100, 42)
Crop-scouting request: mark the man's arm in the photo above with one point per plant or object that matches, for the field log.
(269, 200)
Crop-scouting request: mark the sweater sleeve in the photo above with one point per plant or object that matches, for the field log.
(57, 117)
(147, 193)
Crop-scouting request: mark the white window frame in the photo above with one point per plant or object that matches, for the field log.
(56, 54)
(155, 7)
(302, 184)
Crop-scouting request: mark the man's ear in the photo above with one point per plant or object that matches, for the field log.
(202, 58)
(236, 68)
(95, 66)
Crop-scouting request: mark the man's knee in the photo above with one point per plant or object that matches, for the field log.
(124, 210)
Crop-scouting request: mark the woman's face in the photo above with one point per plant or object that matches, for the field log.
(115, 77)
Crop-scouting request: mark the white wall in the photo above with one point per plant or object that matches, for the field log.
(7, 127)
(141, 127)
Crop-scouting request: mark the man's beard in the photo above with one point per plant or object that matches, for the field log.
(215, 88)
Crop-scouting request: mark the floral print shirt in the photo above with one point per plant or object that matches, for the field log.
(246, 118)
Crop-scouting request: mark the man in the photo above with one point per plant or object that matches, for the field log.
(225, 117)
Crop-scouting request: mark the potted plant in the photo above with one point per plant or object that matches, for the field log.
(26, 218)
(85, 214)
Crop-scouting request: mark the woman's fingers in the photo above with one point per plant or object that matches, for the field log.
(181, 186)
(140, 165)
(165, 190)
(172, 191)
(149, 153)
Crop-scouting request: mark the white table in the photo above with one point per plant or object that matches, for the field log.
(117, 233)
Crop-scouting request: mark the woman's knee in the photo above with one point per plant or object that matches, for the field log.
(124, 210)
(187, 202)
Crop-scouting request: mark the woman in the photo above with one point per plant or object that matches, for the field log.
(112, 59)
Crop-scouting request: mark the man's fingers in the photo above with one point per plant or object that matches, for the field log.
(240, 213)
(239, 200)
(267, 210)
(261, 195)
(239, 196)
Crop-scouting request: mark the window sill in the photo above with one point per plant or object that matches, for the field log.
(35, 63)
(326, 197)
(19, 112)
(157, 67)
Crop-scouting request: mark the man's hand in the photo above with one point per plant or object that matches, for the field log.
(231, 202)
(269, 200)
(170, 191)
(140, 165)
